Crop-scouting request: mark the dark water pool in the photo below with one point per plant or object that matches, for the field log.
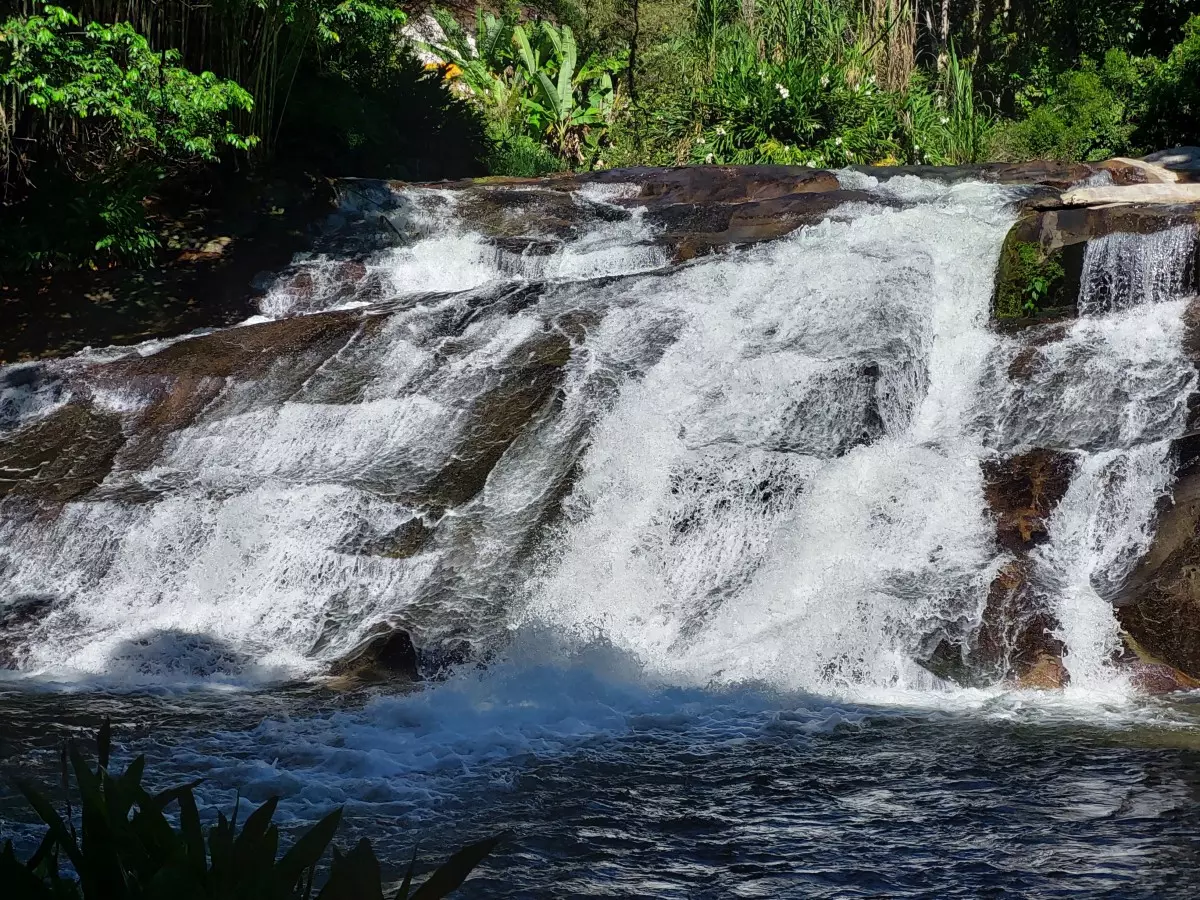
(617, 791)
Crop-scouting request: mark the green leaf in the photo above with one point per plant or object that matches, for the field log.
(308, 849)
(62, 836)
(355, 876)
(454, 871)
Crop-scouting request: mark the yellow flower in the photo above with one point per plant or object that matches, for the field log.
(452, 72)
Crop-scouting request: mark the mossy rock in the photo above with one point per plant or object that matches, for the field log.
(1031, 280)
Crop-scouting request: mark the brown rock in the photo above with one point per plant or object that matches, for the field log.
(696, 229)
(1015, 637)
(499, 415)
(387, 654)
(1022, 491)
(1159, 678)
(1159, 605)
(1046, 674)
(1016, 631)
(62, 456)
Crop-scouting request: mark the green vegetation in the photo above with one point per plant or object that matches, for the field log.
(1029, 281)
(103, 100)
(126, 848)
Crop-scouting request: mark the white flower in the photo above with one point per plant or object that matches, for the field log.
(720, 131)
(837, 141)
(824, 81)
(783, 92)
(944, 119)
(917, 147)
(709, 158)
(761, 73)
(699, 140)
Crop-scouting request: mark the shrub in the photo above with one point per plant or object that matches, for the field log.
(1029, 281)
(1173, 108)
(100, 113)
(1091, 113)
(530, 83)
(126, 848)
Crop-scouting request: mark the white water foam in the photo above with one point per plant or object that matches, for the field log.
(1123, 270)
(778, 456)
(731, 524)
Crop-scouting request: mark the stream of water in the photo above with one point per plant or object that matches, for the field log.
(695, 582)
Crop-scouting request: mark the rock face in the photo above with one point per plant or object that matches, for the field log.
(1159, 605)
(1014, 639)
(387, 654)
(1041, 263)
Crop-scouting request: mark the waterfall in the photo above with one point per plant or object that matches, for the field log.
(762, 465)
(1123, 270)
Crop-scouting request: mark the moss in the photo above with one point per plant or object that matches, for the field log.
(1030, 280)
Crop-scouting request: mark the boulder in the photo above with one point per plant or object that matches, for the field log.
(1015, 636)
(1159, 605)
(1022, 491)
(498, 416)
(695, 229)
(386, 654)
(1041, 263)
(1047, 673)
(62, 456)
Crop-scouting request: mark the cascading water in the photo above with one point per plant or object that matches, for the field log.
(769, 462)
(702, 529)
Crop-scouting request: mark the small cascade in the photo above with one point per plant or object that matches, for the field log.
(1124, 270)
(474, 412)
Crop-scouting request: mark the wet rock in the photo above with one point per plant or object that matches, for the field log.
(1159, 678)
(720, 184)
(499, 415)
(19, 618)
(1041, 262)
(402, 542)
(1017, 628)
(695, 229)
(189, 377)
(539, 212)
(1046, 674)
(1022, 491)
(1015, 636)
(245, 351)
(1159, 605)
(387, 654)
(62, 456)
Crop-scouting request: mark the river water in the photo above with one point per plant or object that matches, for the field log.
(694, 583)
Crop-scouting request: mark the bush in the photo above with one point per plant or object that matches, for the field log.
(99, 114)
(1173, 109)
(126, 848)
(1090, 114)
(522, 157)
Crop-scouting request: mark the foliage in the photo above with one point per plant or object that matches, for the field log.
(529, 82)
(1090, 113)
(126, 848)
(128, 99)
(1172, 113)
(521, 156)
(800, 83)
(1029, 281)
(95, 112)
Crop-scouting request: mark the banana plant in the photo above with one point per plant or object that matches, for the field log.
(564, 102)
(486, 63)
